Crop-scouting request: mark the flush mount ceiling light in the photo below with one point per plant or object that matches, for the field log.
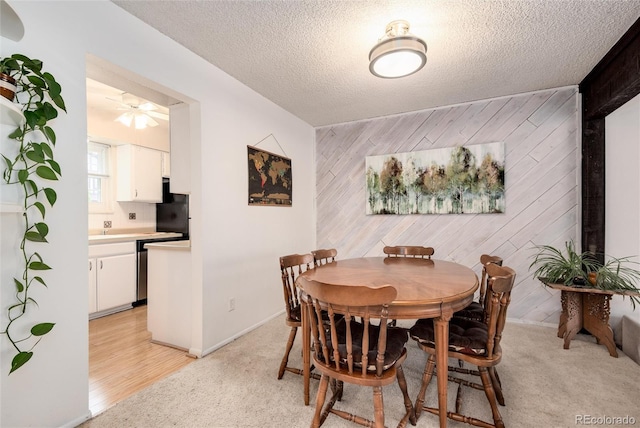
(398, 53)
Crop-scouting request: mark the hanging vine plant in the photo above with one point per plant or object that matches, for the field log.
(29, 164)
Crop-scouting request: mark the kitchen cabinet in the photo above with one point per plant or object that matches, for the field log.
(112, 277)
(166, 164)
(139, 177)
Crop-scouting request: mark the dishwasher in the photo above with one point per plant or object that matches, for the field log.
(142, 275)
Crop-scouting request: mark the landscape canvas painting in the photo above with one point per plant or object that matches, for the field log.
(458, 180)
(270, 178)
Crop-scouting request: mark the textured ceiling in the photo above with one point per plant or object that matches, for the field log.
(311, 57)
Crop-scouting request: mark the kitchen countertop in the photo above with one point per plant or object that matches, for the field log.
(170, 245)
(130, 237)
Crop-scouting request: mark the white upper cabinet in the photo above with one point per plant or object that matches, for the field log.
(139, 174)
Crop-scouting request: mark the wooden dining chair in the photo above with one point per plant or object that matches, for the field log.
(322, 257)
(477, 343)
(290, 267)
(409, 251)
(361, 353)
(476, 310)
(415, 251)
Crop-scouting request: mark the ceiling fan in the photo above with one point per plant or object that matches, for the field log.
(138, 111)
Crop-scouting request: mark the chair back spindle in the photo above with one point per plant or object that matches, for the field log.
(484, 259)
(322, 257)
(409, 251)
(291, 267)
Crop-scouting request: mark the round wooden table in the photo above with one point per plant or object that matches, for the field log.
(426, 288)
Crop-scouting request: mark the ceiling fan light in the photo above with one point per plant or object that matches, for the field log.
(140, 121)
(125, 119)
(398, 53)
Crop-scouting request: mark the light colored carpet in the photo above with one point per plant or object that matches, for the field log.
(236, 386)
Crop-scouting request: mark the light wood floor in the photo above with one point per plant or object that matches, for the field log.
(122, 360)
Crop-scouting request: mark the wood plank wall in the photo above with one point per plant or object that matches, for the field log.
(540, 131)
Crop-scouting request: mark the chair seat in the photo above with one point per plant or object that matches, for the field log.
(475, 311)
(396, 339)
(465, 336)
(295, 314)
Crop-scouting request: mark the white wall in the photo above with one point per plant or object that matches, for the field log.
(622, 191)
(540, 132)
(234, 247)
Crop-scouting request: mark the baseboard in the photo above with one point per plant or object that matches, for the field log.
(538, 323)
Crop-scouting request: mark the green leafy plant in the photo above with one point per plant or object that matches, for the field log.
(572, 268)
(31, 163)
(619, 275)
(555, 266)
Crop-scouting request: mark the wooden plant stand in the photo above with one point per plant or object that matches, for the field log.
(587, 308)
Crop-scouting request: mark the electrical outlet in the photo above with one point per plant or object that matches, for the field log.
(232, 304)
(107, 224)
(132, 216)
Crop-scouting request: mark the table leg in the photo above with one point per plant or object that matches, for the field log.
(596, 319)
(571, 318)
(442, 352)
(306, 350)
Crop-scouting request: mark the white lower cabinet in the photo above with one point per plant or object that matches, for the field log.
(112, 276)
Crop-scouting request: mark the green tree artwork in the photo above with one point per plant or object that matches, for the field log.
(458, 180)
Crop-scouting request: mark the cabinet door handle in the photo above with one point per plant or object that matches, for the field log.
(136, 193)
(90, 265)
(100, 264)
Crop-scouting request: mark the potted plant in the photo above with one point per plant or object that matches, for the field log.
(568, 268)
(30, 165)
(585, 270)
(8, 86)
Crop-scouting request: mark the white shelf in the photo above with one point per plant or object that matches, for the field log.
(10, 113)
(11, 25)
(10, 208)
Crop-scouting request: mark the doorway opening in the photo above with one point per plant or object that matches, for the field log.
(123, 108)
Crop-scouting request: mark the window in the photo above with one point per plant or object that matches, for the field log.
(99, 183)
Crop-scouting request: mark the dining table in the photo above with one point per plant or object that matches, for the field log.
(426, 288)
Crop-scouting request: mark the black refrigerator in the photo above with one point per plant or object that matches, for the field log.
(172, 215)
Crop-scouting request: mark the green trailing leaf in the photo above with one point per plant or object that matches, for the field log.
(46, 149)
(40, 207)
(16, 134)
(51, 195)
(36, 157)
(34, 187)
(39, 266)
(49, 111)
(8, 162)
(42, 228)
(46, 173)
(37, 81)
(31, 118)
(19, 285)
(54, 166)
(42, 328)
(19, 360)
(40, 280)
(34, 237)
(23, 174)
